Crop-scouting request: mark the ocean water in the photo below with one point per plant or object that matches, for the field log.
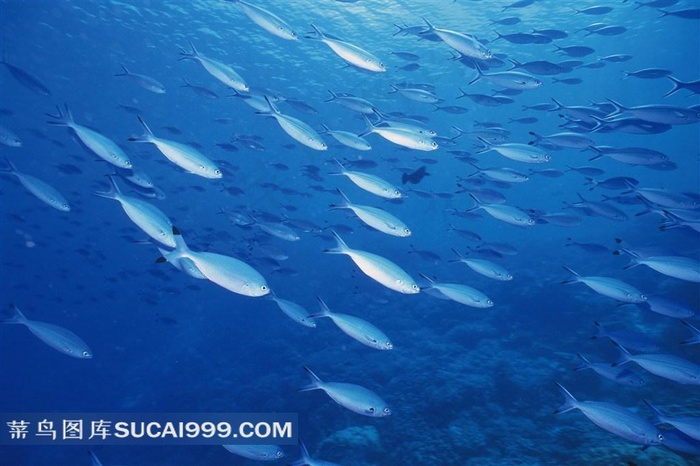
(465, 385)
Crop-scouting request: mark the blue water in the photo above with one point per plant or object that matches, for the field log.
(465, 385)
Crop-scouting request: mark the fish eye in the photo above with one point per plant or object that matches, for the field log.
(279, 454)
(370, 409)
(387, 411)
(397, 192)
(660, 437)
(388, 345)
(407, 231)
(433, 144)
(263, 287)
(489, 302)
(86, 354)
(217, 171)
(415, 287)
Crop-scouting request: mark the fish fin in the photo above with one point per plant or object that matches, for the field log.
(657, 414)
(345, 199)
(10, 168)
(63, 118)
(325, 310)
(486, 143)
(369, 124)
(618, 107)
(113, 189)
(317, 33)
(586, 363)
(430, 280)
(125, 73)
(569, 400)
(333, 96)
(273, 107)
(315, 381)
(572, 280)
(16, 318)
(624, 355)
(430, 26)
(341, 248)
(677, 85)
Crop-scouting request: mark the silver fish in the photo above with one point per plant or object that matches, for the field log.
(401, 136)
(356, 328)
(378, 219)
(518, 152)
(610, 287)
(378, 268)
(294, 311)
(223, 73)
(683, 268)
(370, 183)
(351, 53)
(463, 43)
(102, 146)
(613, 418)
(8, 138)
(145, 82)
(40, 189)
(690, 426)
(462, 294)
(504, 213)
(668, 366)
(256, 452)
(348, 139)
(619, 375)
(484, 267)
(353, 397)
(267, 20)
(227, 272)
(186, 157)
(296, 128)
(507, 79)
(56, 337)
(147, 217)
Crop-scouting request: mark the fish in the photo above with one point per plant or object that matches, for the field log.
(692, 86)
(348, 139)
(465, 44)
(507, 175)
(294, 311)
(613, 418)
(628, 339)
(351, 102)
(352, 54)
(225, 271)
(417, 95)
(401, 136)
(25, 78)
(100, 145)
(203, 91)
(667, 306)
(259, 452)
(484, 267)
(683, 268)
(415, 177)
(370, 183)
(40, 189)
(695, 338)
(630, 155)
(218, 70)
(186, 157)
(508, 79)
(619, 375)
(143, 81)
(353, 397)
(9, 138)
(306, 459)
(660, 114)
(462, 294)
(519, 152)
(267, 20)
(647, 73)
(378, 268)
(504, 213)
(690, 426)
(378, 219)
(149, 218)
(276, 229)
(668, 366)
(297, 129)
(610, 287)
(58, 338)
(356, 328)
(601, 209)
(569, 140)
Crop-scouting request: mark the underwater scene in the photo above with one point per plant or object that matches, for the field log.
(440, 232)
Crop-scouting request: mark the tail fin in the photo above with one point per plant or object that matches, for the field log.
(63, 118)
(315, 381)
(430, 280)
(695, 338)
(370, 126)
(341, 248)
(16, 318)
(148, 135)
(569, 401)
(677, 86)
(658, 416)
(586, 363)
(478, 75)
(125, 73)
(317, 33)
(325, 310)
(346, 202)
(572, 280)
(113, 192)
(624, 355)
(10, 167)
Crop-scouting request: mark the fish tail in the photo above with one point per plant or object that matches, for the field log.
(181, 248)
(273, 107)
(333, 96)
(657, 414)
(617, 105)
(325, 310)
(113, 189)
(63, 118)
(558, 104)
(326, 129)
(16, 318)
(9, 168)
(346, 202)
(319, 35)
(677, 85)
(341, 248)
(479, 73)
(430, 280)
(147, 136)
(624, 355)
(125, 73)
(569, 401)
(430, 26)
(573, 280)
(586, 363)
(695, 338)
(315, 381)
